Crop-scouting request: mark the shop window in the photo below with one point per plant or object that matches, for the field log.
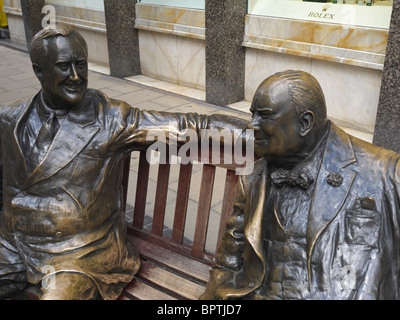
(364, 13)
(89, 4)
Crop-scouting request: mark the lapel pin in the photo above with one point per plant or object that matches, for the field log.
(334, 179)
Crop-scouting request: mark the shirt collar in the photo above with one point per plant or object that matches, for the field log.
(44, 110)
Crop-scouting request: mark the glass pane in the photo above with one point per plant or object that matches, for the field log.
(90, 4)
(192, 4)
(365, 13)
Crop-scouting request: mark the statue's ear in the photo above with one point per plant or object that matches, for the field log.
(307, 119)
(38, 71)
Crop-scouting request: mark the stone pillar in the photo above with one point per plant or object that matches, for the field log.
(122, 37)
(225, 56)
(387, 125)
(32, 17)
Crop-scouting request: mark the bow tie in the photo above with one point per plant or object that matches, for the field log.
(293, 178)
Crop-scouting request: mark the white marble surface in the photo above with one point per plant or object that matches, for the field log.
(169, 87)
(172, 58)
(353, 45)
(171, 20)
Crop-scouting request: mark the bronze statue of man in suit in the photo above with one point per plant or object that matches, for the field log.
(319, 216)
(62, 154)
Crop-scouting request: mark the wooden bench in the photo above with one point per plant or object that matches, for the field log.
(171, 268)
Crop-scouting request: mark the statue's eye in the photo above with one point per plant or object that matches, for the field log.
(63, 66)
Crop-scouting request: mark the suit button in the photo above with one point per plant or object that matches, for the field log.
(59, 197)
(59, 234)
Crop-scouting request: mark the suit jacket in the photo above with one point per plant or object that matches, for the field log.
(68, 213)
(352, 231)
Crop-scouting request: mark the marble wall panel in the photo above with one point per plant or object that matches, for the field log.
(190, 17)
(191, 62)
(158, 55)
(17, 29)
(172, 58)
(278, 28)
(351, 93)
(260, 64)
(358, 46)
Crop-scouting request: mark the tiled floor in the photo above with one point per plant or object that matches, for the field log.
(17, 82)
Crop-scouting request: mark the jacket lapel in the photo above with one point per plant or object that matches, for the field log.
(26, 109)
(329, 198)
(258, 200)
(74, 134)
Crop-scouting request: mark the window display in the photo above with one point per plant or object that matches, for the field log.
(364, 13)
(89, 4)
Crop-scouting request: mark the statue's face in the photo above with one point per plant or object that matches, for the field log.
(64, 76)
(275, 122)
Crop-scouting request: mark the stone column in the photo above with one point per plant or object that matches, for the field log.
(387, 125)
(225, 56)
(122, 37)
(32, 17)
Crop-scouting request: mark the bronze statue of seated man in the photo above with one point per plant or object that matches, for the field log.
(62, 224)
(319, 216)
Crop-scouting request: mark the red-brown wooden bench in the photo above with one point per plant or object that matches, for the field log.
(171, 268)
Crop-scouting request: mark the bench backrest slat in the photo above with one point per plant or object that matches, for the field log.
(203, 210)
(182, 199)
(161, 199)
(141, 191)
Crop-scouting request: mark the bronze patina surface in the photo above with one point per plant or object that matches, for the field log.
(62, 224)
(319, 216)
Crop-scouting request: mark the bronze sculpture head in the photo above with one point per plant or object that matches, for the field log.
(59, 59)
(289, 117)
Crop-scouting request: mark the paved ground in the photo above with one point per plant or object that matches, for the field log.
(17, 81)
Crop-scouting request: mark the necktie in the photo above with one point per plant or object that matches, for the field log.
(302, 179)
(43, 141)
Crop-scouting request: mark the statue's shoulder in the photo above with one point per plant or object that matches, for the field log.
(15, 109)
(109, 103)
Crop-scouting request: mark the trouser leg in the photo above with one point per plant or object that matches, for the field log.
(12, 270)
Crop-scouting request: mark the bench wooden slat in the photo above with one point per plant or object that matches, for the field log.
(231, 182)
(171, 260)
(141, 190)
(166, 243)
(125, 178)
(138, 290)
(161, 199)
(182, 198)
(169, 282)
(203, 210)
